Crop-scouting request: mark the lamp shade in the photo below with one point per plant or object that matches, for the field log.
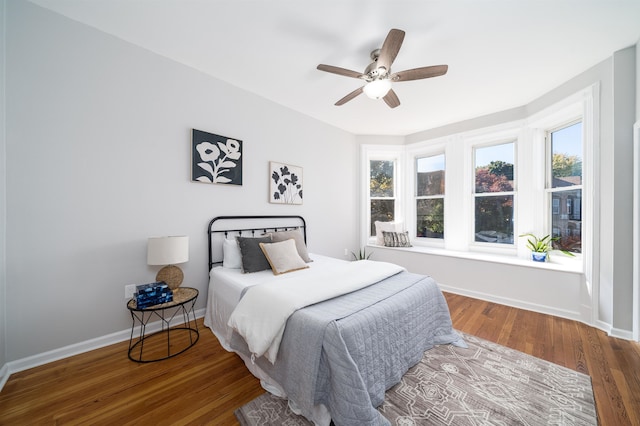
(377, 89)
(167, 250)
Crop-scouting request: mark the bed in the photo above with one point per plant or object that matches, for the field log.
(329, 335)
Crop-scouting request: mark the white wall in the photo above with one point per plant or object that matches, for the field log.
(636, 183)
(537, 289)
(624, 115)
(3, 198)
(98, 159)
(638, 81)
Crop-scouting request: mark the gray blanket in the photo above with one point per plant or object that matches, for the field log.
(346, 352)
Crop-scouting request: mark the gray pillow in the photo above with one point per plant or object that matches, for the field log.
(253, 259)
(396, 239)
(297, 236)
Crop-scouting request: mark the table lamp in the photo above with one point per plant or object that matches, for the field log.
(168, 251)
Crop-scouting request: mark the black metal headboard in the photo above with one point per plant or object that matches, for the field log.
(222, 227)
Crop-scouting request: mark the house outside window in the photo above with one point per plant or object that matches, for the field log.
(382, 192)
(494, 190)
(430, 184)
(564, 186)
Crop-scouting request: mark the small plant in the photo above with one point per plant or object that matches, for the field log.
(362, 254)
(539, 245)
(542, 245)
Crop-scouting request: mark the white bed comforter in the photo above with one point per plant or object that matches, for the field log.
(261, 315)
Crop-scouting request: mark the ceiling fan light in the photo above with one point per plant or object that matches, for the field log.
(377, 89)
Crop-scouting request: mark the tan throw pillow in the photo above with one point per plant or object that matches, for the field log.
(283, 256)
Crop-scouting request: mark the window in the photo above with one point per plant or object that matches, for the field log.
(430, 196)
(494, 193)
(564, 186)
(381, 192)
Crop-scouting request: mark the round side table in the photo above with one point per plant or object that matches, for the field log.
(150, 347)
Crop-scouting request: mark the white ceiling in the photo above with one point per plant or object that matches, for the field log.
(501, 53)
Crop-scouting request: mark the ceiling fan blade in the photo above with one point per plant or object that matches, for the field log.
(349, 96)
(390, 48)
(391, 99)
(420, 73)
(340, 71)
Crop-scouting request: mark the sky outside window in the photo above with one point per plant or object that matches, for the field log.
(502, 152)
(568, 140)
(431, 164)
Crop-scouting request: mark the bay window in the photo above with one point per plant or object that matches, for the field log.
(476, 191)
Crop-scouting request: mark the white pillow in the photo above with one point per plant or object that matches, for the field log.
(388, 227)
(231, 256)
(283, 256)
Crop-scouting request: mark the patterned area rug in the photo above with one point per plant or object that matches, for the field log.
(486, 384)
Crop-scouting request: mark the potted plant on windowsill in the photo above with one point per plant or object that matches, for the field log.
(540, 247)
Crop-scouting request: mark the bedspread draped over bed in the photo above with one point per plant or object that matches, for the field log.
(262, 324)
(346, 352)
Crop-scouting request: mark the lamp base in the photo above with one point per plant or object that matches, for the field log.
(172, 275)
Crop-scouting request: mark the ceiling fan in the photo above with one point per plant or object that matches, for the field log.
(378, 73)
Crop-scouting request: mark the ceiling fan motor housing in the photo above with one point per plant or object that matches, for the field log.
(373, 72)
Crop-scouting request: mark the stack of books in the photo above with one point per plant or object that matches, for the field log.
(152, 294)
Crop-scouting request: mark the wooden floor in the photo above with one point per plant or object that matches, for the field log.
(205, 384)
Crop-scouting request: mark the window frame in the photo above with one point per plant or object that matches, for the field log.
(393, 198)
(421, 150)
(417, 197)
(548, 185)
(580, 107)
(475, 195)
(381, 153)
(490, 136)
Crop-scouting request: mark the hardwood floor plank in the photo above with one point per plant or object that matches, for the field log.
(507, 326)
(579, 355)
(204, 385)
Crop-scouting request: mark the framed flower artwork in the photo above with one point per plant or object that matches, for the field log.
(285, 183)
(215, 158)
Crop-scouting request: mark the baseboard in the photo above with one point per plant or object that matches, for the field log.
(75, 349)
(583, 317)
(604, 326)
(621, 334)
(562, 313)
(4, 375)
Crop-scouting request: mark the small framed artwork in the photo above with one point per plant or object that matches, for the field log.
(285, 183)
(215, 158)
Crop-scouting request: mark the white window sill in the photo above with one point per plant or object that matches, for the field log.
(557, 260)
